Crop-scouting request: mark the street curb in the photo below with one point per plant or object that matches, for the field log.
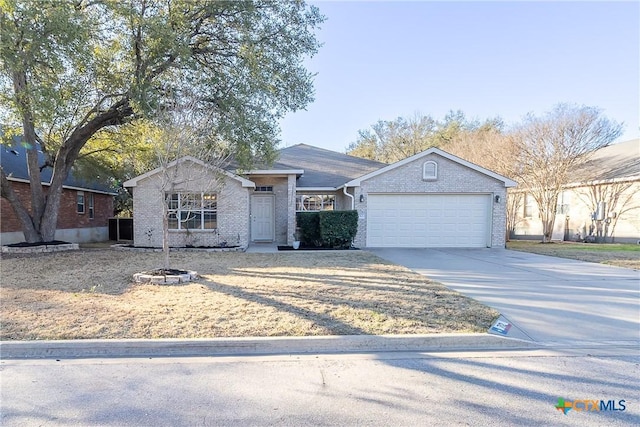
(257, 346)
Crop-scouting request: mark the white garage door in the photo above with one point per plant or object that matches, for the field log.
(428, 220)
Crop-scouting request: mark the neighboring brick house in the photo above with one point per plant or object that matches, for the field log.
(432, 199)
(85, 208)
(602, 201)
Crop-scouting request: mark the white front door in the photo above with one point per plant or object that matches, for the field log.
(262, 224)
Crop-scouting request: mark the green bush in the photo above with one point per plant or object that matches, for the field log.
(338, 228)
(309, 225)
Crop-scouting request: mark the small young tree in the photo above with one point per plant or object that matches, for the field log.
(550, 147)
(183, 131)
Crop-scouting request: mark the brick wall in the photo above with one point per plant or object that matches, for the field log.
(232, 216)
(68, 217)
(452, 178)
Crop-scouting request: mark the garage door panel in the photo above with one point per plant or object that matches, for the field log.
(428, 220)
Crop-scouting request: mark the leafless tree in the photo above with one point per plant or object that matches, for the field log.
(488, 147)
(514, 206)
(617, 198)
(494, 149)
(550, 147)
(182, 133)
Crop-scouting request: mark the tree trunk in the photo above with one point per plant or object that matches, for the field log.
(30, 221)
(165, 232)
(31, 234)
(40, 224)
(548, 221)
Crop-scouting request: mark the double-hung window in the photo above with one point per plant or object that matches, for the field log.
(80, 202)
(91, 206)
(192, 211)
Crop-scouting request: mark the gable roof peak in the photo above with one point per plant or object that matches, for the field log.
(134, 181)
(433, 150)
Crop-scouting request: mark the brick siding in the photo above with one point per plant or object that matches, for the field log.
(452, 178)
(232, 215)
(68, 217)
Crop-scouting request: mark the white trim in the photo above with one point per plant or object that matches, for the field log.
(66, 187)
(602, 181)
(507, 182)
(134, 181)
(315, 189)
(84, 202)
(588, 183)
(432, 177)
(274, 172)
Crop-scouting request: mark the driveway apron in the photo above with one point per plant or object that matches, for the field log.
(552, 300)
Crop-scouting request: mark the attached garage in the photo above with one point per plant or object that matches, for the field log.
(430, 200)
(429, 220)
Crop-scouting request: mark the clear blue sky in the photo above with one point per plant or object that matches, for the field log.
(383, 60)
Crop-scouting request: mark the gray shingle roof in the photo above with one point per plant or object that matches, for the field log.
(323, 168)
(616, 161)
(14, 163)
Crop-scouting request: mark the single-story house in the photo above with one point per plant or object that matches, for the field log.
(85, 207)
(603, 200)
(432, 199)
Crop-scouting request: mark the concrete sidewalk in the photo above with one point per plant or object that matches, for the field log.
(256, 346)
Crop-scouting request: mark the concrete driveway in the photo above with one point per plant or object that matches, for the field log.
(551, 300)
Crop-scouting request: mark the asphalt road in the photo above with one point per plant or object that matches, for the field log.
(552, 300)
(399, 389)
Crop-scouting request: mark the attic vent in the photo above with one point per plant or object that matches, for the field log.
(429, 171)
(264, 188)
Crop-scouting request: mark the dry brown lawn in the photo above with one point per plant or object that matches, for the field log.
(89, 294)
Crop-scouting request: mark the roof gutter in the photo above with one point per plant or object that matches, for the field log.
(66, 187)
(353, 199)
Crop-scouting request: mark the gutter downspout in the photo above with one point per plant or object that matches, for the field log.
(353, 199)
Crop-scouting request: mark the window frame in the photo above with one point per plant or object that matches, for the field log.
(263, 189)
(563, 206)
(91, 203)
(80, 202)
(187, 206)
(527, 206)
(434, 175)
(327, 202)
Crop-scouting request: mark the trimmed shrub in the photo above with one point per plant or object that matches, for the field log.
(338, 228)
(309, 225)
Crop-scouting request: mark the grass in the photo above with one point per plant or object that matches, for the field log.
(89, 294)
(621, 255)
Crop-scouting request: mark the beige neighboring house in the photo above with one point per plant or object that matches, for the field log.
(601, 204)
(432, 199)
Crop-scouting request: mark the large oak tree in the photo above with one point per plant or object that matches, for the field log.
(73, 69)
